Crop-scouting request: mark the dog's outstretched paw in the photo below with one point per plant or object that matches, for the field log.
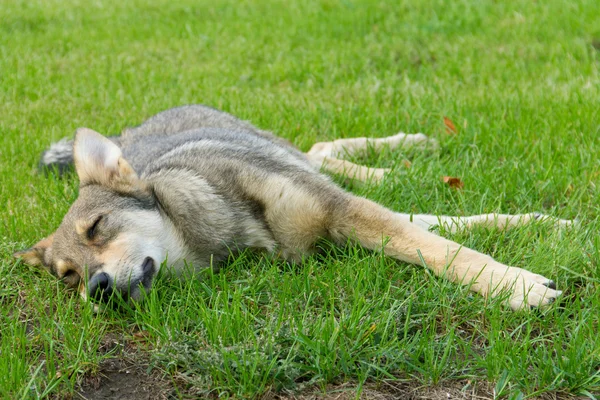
(553, 220)
(418, 140)
(528, 290)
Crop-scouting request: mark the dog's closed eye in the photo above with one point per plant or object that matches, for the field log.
(92, 231)
(71, 278)
(89, 229)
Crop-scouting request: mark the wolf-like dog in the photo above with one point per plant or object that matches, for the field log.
(192, 184)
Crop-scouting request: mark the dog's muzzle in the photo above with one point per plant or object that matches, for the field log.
(101, 286)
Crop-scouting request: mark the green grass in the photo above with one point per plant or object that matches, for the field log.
(519, 79)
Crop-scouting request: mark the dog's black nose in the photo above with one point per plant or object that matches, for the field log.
(147, 271)
(148, 266)
(99, 287)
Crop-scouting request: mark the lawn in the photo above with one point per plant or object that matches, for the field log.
(520, 82)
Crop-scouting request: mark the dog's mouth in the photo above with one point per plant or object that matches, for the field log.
(102, 287)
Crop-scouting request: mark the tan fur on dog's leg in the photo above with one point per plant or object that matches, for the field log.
(342, 147)
(373, 225)
(353, 171)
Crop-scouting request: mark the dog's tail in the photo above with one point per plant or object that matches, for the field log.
(59, 157)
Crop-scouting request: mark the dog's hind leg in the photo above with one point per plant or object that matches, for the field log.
(501, 221)
(353, 171)
(342, 147)
(374, 227)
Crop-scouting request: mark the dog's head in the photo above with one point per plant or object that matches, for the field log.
(114, 237)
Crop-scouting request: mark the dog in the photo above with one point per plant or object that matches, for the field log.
(192, 184)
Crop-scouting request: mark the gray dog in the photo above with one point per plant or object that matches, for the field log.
(192, 184)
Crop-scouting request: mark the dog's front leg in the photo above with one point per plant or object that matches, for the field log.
(373, 226)
(341, 148)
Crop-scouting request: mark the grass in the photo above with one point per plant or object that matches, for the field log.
(520, 81)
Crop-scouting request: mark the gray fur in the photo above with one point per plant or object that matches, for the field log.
(59, 156)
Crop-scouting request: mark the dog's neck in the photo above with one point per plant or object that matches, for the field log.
(202, 217)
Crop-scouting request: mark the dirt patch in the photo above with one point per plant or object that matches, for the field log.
(126, 377)
(119, 379)
(405, 390)
(388, 390)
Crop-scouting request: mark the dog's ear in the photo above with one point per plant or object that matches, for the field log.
(98, 160)
(40, 255)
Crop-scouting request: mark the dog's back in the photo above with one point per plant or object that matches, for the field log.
(190, 117)
(167, 123)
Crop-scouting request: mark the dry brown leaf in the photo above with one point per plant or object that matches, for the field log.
(141, 336)
(453, 182)
(569, 190)
(450, 127)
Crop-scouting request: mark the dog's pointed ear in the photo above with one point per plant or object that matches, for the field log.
(99, 160)
(40, 255)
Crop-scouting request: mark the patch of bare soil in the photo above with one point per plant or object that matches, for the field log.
(405, 390)
(122, 380)
(391, 390)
